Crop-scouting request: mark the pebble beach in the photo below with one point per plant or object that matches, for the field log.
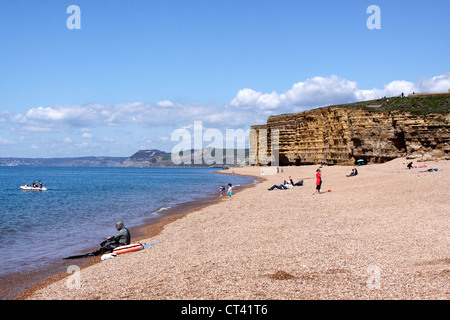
(383, 234)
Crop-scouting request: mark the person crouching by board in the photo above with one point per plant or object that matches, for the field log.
(121, 238)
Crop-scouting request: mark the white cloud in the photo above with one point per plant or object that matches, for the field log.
(436, 84)
(396, 87)
(5, 141)
(71, 115)
(165, 104)
(37, 128)
(317, 91)
(323, 91)
(4, 115)
(82, 145)
(320, 91)
(247, 98)
(17, 118)
(247, 107)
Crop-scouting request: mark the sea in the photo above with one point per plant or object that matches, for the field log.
(81, 205)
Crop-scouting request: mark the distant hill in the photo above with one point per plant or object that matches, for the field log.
(147, 158)
(64, 162)
(188, 158)
(142, 158)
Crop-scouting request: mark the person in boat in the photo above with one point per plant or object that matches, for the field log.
(121, 238)
(34, 184)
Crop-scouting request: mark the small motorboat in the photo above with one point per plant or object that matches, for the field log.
(26, 188)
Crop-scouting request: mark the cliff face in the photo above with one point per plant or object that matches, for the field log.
(341, 136)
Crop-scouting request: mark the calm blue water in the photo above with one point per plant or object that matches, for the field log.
(81, 206)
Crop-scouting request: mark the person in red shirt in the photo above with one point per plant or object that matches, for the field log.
(318, 181)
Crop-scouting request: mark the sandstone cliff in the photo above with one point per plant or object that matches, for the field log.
(336, 135)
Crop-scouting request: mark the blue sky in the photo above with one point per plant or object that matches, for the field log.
(138, 70)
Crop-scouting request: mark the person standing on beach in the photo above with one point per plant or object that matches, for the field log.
(230, 190)
(318, 181)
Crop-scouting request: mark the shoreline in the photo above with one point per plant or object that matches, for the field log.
(149, 228)
(143, 232)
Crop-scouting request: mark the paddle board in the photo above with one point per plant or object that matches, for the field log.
(128, 248)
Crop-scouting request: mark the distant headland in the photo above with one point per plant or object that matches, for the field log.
(142, 158)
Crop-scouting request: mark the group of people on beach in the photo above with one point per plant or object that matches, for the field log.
(222, 190)
(287, 184)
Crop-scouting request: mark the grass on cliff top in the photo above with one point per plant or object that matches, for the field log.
(414, 105)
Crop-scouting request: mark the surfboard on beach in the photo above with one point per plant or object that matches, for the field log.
(128, 248)
(116, 251)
